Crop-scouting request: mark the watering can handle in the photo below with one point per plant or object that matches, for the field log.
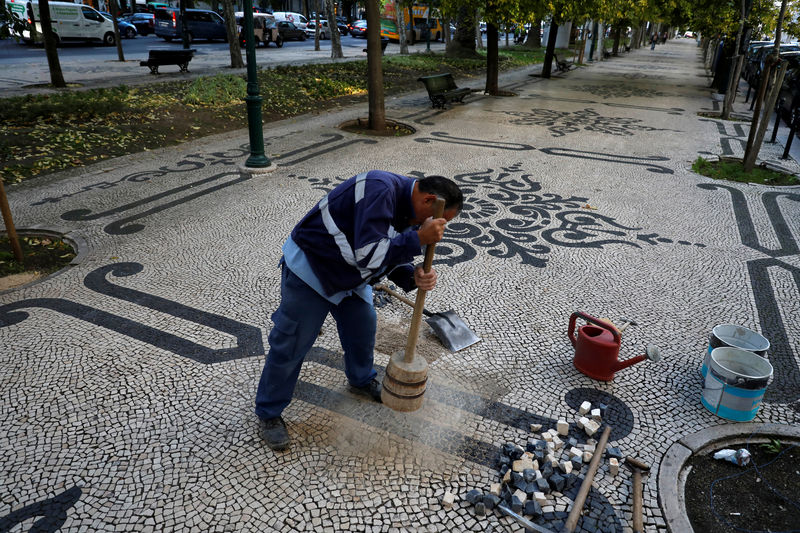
(588, 318)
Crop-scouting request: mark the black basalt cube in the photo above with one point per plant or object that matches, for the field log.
(543, 485)
(546, 470)
(516, 504)
(474, 496)
(490, 501)
(613, 452)
(529, 474)
(532, 508)
(557, 482)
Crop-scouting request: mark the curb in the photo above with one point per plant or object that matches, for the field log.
(672, 478)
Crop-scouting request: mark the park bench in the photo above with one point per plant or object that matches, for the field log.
(561, 66)
(442, 89)
(384, 42)
(160, 57)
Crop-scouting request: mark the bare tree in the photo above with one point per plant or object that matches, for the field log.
(316, 25)
(401, 27)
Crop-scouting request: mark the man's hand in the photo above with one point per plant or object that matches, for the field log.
(431, 230)
(425, 281)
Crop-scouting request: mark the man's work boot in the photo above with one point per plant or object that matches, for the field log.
(274, 432)
(371, 390)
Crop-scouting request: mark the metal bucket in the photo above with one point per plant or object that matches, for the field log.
(735, 383)
(735, 337)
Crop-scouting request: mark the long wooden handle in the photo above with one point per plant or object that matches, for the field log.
(580, 499)
(638, 519)
(419, 304)
(400, 297)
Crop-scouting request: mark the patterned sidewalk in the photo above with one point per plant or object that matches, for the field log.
(127, 381)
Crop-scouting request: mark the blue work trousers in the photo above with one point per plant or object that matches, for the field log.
(297, 323)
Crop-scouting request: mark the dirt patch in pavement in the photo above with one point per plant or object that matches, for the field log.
(763, 496)
(15, 280)
(391, 337)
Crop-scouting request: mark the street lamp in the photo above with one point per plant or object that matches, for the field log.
(257, 158)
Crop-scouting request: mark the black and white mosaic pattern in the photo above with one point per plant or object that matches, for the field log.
(128, 380)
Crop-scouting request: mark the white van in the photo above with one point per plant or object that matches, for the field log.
(289, 16)
(71, 22)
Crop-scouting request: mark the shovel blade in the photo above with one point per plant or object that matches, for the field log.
(452, 331)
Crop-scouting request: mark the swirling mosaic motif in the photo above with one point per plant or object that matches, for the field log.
(618, 91)
(560, 123)
(506, 215)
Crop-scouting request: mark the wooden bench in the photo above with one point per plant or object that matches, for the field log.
(159, 57)
(442, 89)
(561, 66)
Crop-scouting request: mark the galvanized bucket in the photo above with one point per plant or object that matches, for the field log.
(735, 383)
(735, 337)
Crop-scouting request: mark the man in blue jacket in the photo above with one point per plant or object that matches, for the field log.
(370, 226)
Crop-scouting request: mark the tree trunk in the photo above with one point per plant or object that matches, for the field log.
(114, 9)
(377, 111)
(752, 153)
(184, 24)
(401, 28)
(336, 38)
(50, 43)
(733, 81)
(492, 67)
(478, 36)
(534, 38)
(447, 36)
(463, 42)
(615, 46)
(551, 47)
(11, 230)
(316, 27)
(233, 39)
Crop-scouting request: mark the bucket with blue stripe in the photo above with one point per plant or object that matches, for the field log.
(735, 337)
(735, 383)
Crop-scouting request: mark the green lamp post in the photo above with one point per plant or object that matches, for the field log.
(257, 158)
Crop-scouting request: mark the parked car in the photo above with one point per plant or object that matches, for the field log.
(789, 95)
(145, 22)
(290, 16)
(359, 29)
(265, 29)
(290, 32)
(126, 29)
(324, 29)
(201, 24)
(760, 57)
(341, 23)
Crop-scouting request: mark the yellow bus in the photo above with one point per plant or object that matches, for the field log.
(416, 22)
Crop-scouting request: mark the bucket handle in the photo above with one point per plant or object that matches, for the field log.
(592, 320)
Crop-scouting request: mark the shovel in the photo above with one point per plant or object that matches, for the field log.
(448, 326)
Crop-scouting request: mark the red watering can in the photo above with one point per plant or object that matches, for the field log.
(597, 348)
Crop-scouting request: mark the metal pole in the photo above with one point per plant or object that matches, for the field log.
(253, 99)
(428, 24)
(777, 120)
(792, 131)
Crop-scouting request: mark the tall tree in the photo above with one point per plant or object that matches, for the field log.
(230, 29)
(377, 110)
(336, 38)
(114, 10)
(50, 43)
(463, 42)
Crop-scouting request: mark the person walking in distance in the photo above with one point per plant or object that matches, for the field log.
(370, 226)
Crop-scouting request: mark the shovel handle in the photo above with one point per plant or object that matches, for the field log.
(400, 297)
(419, 304)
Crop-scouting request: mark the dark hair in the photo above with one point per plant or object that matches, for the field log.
(444, 188)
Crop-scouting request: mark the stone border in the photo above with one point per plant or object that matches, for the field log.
(77, 242)
(671, 474)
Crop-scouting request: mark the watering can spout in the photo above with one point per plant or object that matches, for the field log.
(652, 353)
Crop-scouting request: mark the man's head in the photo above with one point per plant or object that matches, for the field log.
(425, 192)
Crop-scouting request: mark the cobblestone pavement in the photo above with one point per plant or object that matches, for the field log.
(128, 380)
